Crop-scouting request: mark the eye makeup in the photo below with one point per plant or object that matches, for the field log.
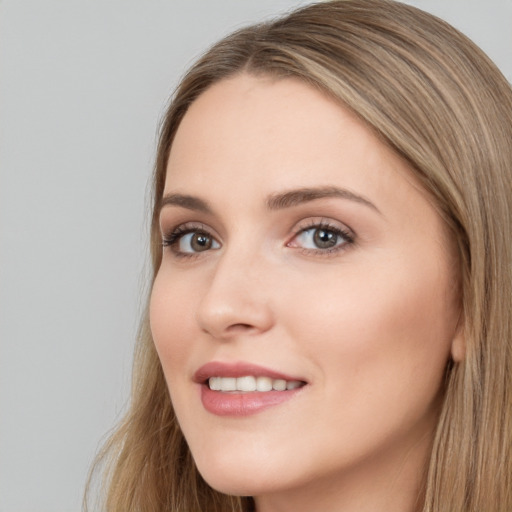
(320, 237)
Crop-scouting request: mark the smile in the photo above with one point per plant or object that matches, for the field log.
(242, 389)
(250, 383)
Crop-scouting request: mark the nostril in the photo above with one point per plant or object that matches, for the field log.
(240, 327)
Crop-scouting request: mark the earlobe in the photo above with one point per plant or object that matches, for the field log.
(458, 346)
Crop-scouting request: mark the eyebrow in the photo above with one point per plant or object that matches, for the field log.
(279, 201)
(304, 195)
(186, 201)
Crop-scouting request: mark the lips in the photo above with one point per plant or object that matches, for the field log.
(241, 389)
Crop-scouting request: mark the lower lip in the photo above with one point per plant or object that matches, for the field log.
(242, 404)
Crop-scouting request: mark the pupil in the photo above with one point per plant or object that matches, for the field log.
(200, 242)
(324, 239)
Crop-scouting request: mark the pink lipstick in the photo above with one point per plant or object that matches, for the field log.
(241, 389)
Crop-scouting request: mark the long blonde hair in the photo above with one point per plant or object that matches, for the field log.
(438, 101)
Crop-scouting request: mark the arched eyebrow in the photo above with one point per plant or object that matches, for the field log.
(296, 197)
(279, 201)
(185, 201)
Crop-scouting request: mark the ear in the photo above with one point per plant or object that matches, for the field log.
(458, 346)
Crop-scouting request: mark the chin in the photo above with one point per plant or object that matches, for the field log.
(240, 478)
(227, 486)
(238, 483)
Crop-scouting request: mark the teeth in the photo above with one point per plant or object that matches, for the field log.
(279, 384)
(293, 384)
(263, 384)
(214, 383)
(249, 383)
(245, 383)
(228, 384)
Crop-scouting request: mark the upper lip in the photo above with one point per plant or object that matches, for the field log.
(238, 369)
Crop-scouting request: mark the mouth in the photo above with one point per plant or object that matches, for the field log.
(242, 389)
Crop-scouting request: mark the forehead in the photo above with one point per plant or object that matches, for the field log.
(258, 135)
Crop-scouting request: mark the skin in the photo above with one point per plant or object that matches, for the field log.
(369, 326)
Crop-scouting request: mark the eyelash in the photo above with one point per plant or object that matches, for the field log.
(179, 232)
(172, 239)
(324, 225)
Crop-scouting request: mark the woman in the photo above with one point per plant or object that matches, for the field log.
(328, 326)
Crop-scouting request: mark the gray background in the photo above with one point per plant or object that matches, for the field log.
(83, 86)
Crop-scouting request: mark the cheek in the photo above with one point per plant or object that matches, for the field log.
(170, 320)
(378, 331)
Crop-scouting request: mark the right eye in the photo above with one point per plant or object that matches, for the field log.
(188, 241)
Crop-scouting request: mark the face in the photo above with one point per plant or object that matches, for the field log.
(306, 303)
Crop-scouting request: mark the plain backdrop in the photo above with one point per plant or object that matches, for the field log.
(83, 85)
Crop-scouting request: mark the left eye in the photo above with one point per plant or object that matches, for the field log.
(321, 238)
(194, 242)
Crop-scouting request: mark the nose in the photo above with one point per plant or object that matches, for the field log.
(236, 300)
